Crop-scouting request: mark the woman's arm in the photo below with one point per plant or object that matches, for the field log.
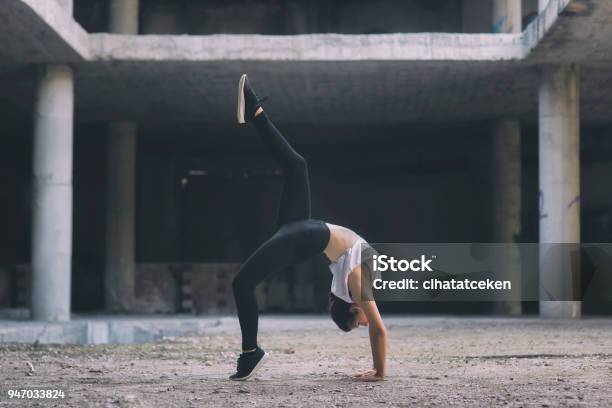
(376, 327)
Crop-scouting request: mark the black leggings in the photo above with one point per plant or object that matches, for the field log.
(298, 236)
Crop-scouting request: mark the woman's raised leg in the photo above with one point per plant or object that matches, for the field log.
(295, 200)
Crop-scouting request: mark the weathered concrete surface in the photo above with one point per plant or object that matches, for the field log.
(579, 33)
(559, 173)
(339, 47)
(431, 362)
(52, 194)
(111, 329)
(308, 47)
(330, 78)
(40, 31)
(60, 38)
(339, 78)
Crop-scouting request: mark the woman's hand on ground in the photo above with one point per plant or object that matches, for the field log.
(368, 376)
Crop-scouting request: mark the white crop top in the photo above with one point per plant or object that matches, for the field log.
(344, 265)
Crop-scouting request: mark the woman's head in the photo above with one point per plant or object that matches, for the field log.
(346, 315)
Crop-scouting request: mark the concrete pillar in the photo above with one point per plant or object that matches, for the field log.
(507, 203)
(559, 161)
(52, 194)
(120, 271)
(506, 16)
(542, 4)
(123, 16)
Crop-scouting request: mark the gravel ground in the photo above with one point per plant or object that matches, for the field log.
(431, 362)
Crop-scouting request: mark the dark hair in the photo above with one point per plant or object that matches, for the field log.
(341, 313)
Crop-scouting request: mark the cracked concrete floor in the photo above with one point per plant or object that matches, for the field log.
(431, 362)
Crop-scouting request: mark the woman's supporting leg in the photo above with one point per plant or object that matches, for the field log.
(264, 261)
(295, 200)
(290, 245)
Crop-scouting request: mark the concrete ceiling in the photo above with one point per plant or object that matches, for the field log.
(326, 78)
(308, 92)
(39, 31)
(581, 33)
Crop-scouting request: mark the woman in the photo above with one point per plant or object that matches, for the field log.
(298, 238)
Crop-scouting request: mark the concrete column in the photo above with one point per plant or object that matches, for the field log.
(120, 270)
(507, 16)
(542, 5)
(123, 16)
(507, 203)
(559, 161)
(52, 194)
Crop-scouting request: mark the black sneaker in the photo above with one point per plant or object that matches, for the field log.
(248, 102)
(248, 364)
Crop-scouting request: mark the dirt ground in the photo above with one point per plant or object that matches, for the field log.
(431, 362)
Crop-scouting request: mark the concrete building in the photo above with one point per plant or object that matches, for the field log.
(455, 121)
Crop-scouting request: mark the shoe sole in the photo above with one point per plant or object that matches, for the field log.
(240, 113)
(255, 369)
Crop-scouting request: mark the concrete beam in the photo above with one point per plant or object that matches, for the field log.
(52, 194)
(386, 47)
(309, 47)
(67, 5)
(428, 76)
(559, 161)
(572, 32)
(59, 38)
(41, 31)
